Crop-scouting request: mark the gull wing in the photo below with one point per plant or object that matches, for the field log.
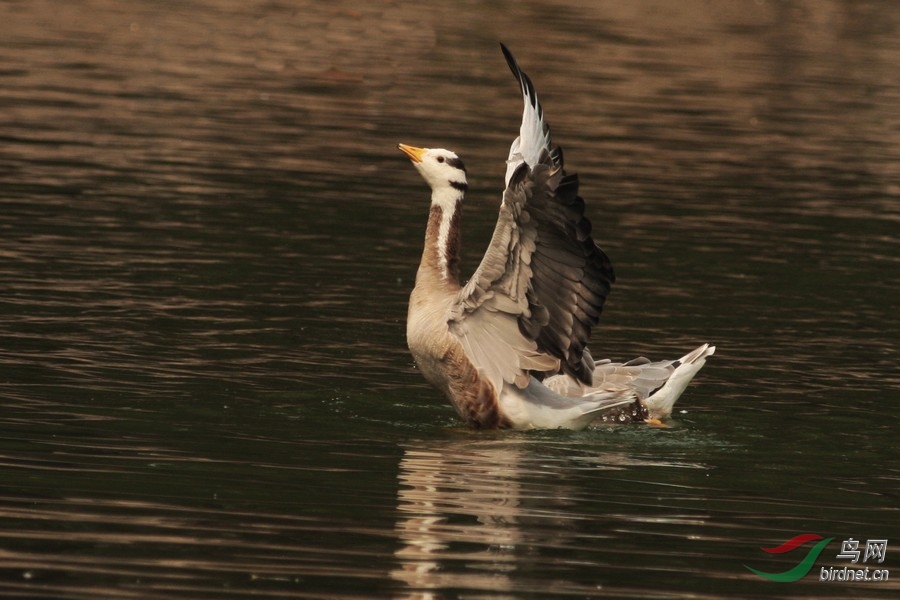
(541, 285)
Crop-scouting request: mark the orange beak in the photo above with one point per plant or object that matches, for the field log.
(414, 154)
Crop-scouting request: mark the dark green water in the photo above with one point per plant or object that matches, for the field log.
(207, 239)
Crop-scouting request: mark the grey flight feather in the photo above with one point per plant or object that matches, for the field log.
(542, 270)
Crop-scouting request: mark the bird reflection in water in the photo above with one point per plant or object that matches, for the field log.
(460, 511)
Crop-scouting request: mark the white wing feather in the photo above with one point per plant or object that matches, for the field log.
(534, 134)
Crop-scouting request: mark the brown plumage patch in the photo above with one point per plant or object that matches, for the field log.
(449, 254)
(474, 398)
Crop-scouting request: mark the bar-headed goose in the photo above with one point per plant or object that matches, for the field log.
(509, 349)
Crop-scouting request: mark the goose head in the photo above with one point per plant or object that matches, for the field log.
(439, 168)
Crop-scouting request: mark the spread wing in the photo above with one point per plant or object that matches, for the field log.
(541, 285)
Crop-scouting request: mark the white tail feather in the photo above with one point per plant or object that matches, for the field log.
(656, 384)
(660, 403)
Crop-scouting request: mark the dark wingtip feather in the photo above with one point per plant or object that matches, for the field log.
(511, 61)
(556, 155)
(523, 79)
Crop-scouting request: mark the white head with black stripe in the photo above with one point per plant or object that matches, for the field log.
(442, 169)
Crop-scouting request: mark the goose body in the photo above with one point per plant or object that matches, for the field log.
(509, 348)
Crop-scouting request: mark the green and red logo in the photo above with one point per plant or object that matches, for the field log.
(803, 566)
(851, 550)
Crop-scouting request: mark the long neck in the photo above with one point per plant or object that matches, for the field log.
(440, 258)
